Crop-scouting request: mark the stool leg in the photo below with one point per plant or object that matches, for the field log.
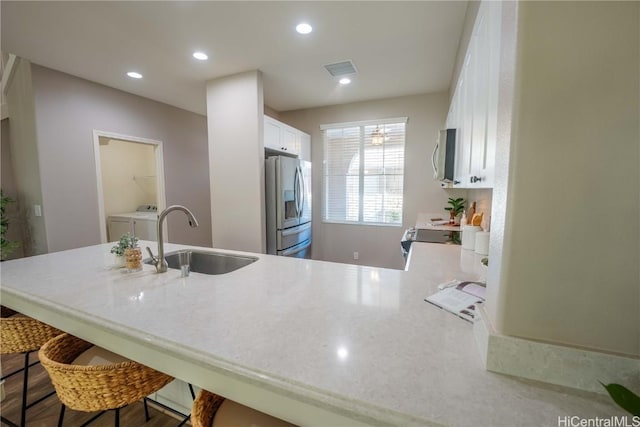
(117, 417)
(92, 419)
(146, 410)
(61, 416)
(23, 411)
(183, 422)
(7, 422)
(188, 417)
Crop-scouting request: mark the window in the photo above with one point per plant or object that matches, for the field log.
(364, 172)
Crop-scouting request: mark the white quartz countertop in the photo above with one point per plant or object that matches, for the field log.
(313, 342)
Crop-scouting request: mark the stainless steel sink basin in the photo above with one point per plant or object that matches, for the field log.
(208, 262)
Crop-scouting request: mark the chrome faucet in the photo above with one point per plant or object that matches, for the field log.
(160, 262)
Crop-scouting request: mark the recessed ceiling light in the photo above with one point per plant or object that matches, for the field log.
(134, 75)
(200, 56)
(345, 81)
(304, 28)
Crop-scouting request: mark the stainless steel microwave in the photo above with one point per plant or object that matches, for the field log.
(443, 158)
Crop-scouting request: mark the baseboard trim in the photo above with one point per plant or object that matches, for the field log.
(552, 363)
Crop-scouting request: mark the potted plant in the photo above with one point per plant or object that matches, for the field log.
(456, 207)
(624, 398)
(128, 253)
(6, 247)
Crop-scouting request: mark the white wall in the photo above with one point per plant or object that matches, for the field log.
(236, 161)
(268, 111)
(68, 109)
(570, 266)
(9, 189)
(25, 160)
(128, 175)
(377, 246)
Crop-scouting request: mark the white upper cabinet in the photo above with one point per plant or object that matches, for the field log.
(474, 106)
(290, 139)
(281, 137)
(305, 146)
(272, 133)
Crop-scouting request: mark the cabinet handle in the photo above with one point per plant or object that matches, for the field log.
(475, 179)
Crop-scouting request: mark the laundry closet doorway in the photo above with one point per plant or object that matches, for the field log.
(130, 178)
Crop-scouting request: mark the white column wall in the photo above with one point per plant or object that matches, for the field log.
(235, 111)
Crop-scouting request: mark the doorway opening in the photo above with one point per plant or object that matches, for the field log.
(130, 177)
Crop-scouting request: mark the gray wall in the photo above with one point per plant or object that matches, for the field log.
(68, 109)
(572, 236)
(377, 246)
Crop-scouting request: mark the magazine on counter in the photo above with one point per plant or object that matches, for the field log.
(459, 298)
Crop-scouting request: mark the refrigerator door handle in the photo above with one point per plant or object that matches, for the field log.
(296, 230)
(297, 248)
(301, 191)
(434, 165)
(296, 191)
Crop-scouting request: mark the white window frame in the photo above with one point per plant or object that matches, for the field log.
(361, 175)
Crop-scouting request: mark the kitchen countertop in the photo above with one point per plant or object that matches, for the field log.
(312, 342)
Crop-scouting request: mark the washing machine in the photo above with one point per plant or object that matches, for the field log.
(142, 223)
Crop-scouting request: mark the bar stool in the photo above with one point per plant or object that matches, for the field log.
(211, 410)
(89, 378)
(22, 334)
(204, 408)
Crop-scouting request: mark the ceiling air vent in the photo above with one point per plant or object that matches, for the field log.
(341, 68)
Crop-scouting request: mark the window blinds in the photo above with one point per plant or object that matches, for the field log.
(364, 172)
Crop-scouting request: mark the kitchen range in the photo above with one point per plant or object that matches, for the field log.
(425, 235)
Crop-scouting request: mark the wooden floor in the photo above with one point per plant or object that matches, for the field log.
(45, 413)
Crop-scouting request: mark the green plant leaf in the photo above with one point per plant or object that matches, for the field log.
(6, 247)
(457, 205)
(625, 398)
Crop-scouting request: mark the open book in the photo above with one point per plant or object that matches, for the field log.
(460, 299)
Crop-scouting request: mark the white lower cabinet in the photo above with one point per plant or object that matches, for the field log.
(176, 395)
(474, 106)
(143, 229)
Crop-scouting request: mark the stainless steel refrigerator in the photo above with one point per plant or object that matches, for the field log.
(288, 203)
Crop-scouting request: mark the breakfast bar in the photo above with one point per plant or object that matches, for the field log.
(314, 343)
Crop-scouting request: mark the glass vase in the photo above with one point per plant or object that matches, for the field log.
(133, 259)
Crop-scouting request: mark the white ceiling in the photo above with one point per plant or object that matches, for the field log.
(399, 48)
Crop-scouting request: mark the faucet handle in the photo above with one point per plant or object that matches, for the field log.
(153, 257)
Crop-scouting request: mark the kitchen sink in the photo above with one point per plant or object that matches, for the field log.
(208, 262)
